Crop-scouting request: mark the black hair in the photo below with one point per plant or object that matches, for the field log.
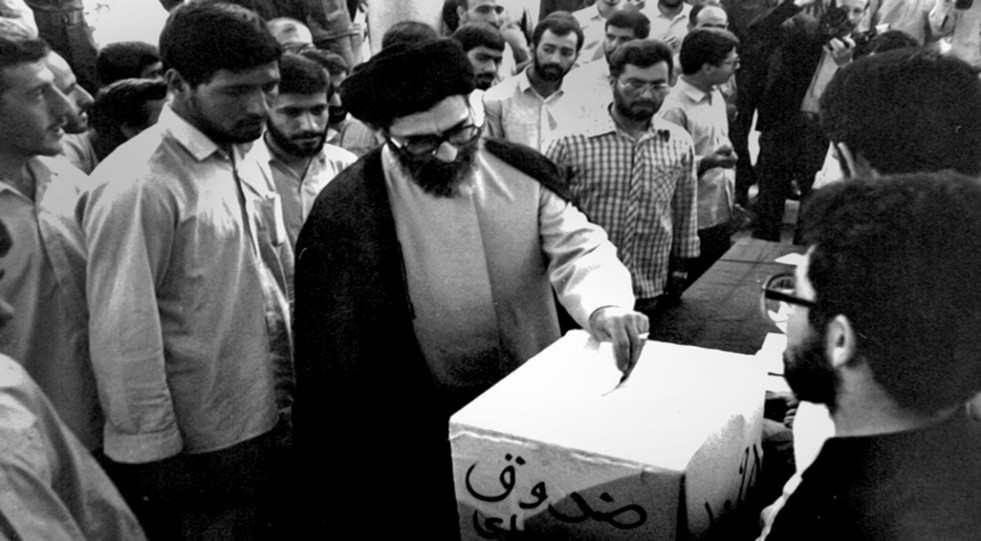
(898, 257)
(705, 46)
(561, 23)
(20, 49)
(332, 62)
(125, 60)
(636, 21)
(907, 110)
(642, 53)
(124, 102)
(202, 38)
(478, 34)
(408, 32)
(301, 75)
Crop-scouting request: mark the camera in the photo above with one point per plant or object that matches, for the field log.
(834, 24)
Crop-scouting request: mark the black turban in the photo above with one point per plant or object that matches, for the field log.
(406, 79)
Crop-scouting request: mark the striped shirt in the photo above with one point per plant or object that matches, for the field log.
(641, 191)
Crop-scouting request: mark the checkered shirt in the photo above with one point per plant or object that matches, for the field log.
(643, 192)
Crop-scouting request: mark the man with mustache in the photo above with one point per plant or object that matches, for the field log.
(301, 162)
(485, 48)
(642, 188)
(188, 272)
(425, 274)
(882, 329)
(527, 108)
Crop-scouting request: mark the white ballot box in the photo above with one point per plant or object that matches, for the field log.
(554, 451)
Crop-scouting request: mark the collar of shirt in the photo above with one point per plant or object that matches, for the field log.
(599, 124)
(695, 94)
(194, 140)
(42, 179)
(524, 86)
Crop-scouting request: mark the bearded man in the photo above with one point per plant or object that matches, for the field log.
(425, 273)
(301, 162)
(528, 108)
(642, 188)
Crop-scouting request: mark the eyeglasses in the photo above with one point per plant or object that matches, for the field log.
(636, 88)
(734, 62)
(421, 145)
(776, 297)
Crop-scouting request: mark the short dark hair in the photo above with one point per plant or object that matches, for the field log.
(408, 33)
(332, 62)
(705, 46)
(898, 256)
(561, 23)
(636, 21)
(202, 38)
(642, 53)
(125, 60)
(20, 49)
(5, 241)
(478, 34)
(891, 40)
(301, 75)
(124, 102)
(907, 110)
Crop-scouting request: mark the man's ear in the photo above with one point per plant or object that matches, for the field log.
(461, 14)
(853, 165)
(841, 342)
(176, 83)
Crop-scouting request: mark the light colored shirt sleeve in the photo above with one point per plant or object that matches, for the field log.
(942, 18)
(676, 115)
(684, 211)
(493, 114)
(129, 234)
(52, 488)
(583, 265)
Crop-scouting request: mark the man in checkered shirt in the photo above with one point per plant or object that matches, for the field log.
(634, 175)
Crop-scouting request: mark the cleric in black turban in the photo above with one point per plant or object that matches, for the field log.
(406, 79)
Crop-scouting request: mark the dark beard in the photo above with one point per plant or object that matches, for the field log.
(809, 373)
(639, 115)
(549, 72)
(336, 114)
(436, 176)
(287, 145)
(483, 81)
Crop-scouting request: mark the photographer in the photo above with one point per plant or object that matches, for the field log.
(803, 55)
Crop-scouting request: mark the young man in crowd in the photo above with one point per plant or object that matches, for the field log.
(122, 110)
(708, 59)
(902, 462)
(485, 48)
(301, 162)
(188, 273)
(425, 274)
(44, 273)
(128, 60)
(527, 108)
(642, 189)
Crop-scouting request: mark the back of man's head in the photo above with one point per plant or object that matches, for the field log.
(560, 23)
(637, 22)
(202, 38)
(407, 33)
(125, 60)
(290, 33)
(301, 75)
(642, 53)
(705, 46)
(126, 103)
(332, 62)
(17, 49)
(478, 34)
(898, 257)
(907, 110)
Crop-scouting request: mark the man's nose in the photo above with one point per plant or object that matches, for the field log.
(255, 103)
(446, 152)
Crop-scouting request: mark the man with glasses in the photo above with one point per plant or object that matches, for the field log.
(425, 273)
(635, 174)
(882, 322)
(708, 59)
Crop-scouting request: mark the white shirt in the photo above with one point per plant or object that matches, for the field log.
(516, 112)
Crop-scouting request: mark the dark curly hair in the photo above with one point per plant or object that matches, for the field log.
(899, 257)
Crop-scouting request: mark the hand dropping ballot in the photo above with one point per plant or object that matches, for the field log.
(552, 451)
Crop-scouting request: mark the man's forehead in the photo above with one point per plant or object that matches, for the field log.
(564, 40)
(63, 75)
(260, 75)
(474, 4)
(712, 15)
(485, 51)
(301, 100)
(852, 4)
(26, 77)
(446, 114)
(655, 72)
(620, 32)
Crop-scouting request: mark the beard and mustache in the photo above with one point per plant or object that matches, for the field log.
(435, 176)
(809, 373)
(294, 146)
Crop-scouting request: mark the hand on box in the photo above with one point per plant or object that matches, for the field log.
(624, 328)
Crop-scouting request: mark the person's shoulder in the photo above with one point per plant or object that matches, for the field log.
(338, 155)
(503, 90)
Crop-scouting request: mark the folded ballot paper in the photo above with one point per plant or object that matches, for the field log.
(554, 450)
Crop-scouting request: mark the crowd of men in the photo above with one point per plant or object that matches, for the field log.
(224, 252)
